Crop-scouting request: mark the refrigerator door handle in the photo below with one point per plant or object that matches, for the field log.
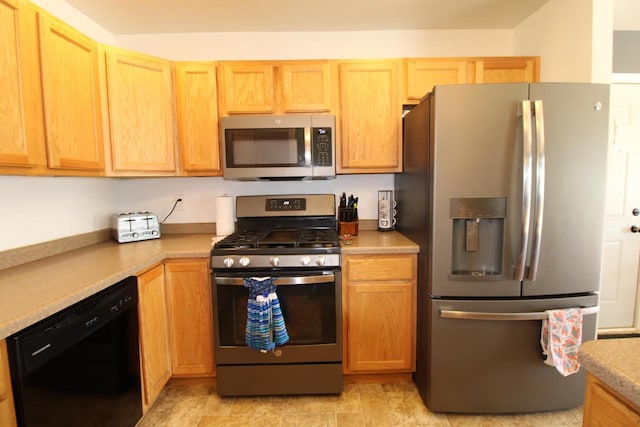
(540, 175)
(527, 172)
(476, 315)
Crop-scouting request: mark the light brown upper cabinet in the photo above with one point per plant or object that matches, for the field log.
(424, 73)
(306, 87)
(141, 114)
(71, 98)
(370, 117)
(21, 127)
(267, 87)
(197, 112)
(248, 88)
(507, 70)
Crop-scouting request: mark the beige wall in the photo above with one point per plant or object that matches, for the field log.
(72, 16)
(573, 37)
(321, 45)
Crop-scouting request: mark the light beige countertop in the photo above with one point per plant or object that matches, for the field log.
(379, 242)
(616, 362)
(33, 291)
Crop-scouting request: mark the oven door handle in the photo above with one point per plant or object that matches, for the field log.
(279, 281)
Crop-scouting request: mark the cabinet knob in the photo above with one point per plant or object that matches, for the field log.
(634, 228)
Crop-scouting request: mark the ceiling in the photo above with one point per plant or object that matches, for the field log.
(189, 16)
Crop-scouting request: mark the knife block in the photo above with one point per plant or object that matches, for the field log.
(350, 227)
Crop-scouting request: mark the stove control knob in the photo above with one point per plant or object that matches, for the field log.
(228, 262)
(244, 261)
(274, 261)
(305, 260)
(320, 261)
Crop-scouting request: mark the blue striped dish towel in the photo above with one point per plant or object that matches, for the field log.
(265, 323)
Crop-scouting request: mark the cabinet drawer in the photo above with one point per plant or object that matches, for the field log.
(384, 267)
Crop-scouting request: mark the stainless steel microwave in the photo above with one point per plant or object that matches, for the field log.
(279, 147)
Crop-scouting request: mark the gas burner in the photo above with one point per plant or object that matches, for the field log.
(322, 238)
(242, 239)
(279, 239)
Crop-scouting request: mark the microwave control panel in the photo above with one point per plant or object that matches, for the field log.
(321, 147)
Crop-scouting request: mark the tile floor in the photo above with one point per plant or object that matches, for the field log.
(376, 404)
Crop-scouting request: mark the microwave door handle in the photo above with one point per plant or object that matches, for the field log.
(527, 172)
(307, 146)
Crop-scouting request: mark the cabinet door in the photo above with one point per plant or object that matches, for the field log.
(424, 74)
(141, 111)
(190, 314)
(71, 97)
(248, 88)
(306, 87)
(380, 316)
(21, 131)
(603, 407)
(197, 111)
(7, 412)
(507, 70)
(155, 359)
(370, 118)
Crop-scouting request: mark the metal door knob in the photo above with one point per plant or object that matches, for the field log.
(634, 229)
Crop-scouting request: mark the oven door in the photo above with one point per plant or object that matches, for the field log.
(311, 307)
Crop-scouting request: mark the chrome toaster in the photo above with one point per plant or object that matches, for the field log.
(133, 227)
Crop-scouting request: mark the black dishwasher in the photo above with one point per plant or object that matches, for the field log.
(80, 366)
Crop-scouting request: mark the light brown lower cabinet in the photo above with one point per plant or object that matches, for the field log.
(379, 313)
(7, 412)
(155, 358)
(190, 319)
(604, 407)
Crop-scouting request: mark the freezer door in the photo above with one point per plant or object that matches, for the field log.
(496, 366)
(477, 173)
(575, 124)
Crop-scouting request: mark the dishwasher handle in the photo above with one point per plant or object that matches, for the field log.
(475, 315)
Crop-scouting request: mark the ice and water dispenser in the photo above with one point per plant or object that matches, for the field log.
(478, 237)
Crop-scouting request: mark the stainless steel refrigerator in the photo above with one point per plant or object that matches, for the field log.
(503, 190)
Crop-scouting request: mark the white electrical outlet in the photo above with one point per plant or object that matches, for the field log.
(180, 206)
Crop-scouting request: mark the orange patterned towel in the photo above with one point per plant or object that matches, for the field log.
(560, 338)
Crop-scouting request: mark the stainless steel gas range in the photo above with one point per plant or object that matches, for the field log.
(284, 337)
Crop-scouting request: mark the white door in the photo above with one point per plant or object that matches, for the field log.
(621, 250)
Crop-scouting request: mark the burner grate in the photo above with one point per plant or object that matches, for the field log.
(318, 238)
(242, 239)
(273, 239)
